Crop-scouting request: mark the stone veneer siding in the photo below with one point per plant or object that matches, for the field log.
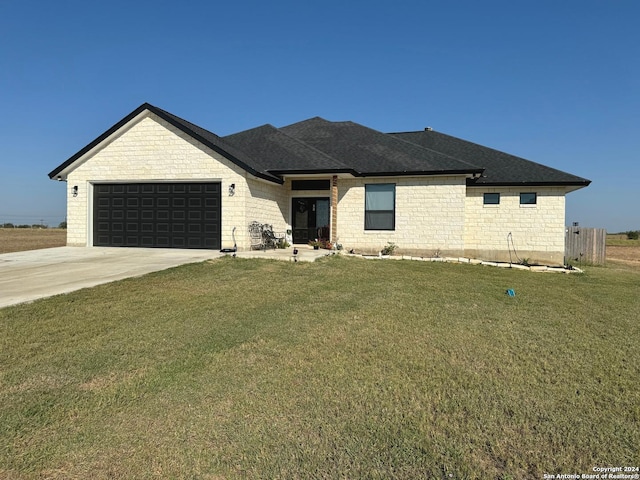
(434, 215)
(151, 150)
(429, 215)
(537, 230)
(267, 203)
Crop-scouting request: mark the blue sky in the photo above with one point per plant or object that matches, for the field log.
(556, 82)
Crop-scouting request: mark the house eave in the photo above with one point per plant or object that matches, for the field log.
(267, 178)
(473, 183)
(314, 172)
(354, 173)
(418, 173)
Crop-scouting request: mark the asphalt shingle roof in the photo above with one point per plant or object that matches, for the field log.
(370, 152)
(278, 152)
(499, 168)
(317, 145)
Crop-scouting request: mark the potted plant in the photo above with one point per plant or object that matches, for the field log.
(315, 244)
(326, 244)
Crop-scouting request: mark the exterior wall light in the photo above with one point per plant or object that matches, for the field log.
(74, 191)
(232, 189)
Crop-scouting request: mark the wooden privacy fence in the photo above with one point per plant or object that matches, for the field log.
(585, 245)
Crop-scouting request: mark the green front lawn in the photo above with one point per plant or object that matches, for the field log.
(343, 368)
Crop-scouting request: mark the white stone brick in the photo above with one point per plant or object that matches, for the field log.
(537, 231)
(166, 154)
(435, 216)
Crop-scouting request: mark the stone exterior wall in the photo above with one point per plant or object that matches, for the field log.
(537, 230)
(267, 203)
(434, 215)
(151, 150)
(429, 216)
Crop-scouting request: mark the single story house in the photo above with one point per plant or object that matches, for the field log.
(157, 180)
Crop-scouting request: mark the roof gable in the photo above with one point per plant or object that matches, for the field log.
(203, 136)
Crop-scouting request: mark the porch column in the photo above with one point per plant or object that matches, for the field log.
(334, 209)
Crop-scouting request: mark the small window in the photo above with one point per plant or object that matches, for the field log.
(492, 199)
(529, 198)
(380, 206)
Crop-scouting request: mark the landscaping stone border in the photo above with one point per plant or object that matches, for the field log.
(471, 261)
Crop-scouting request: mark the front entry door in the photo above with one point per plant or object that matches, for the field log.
(310, 219)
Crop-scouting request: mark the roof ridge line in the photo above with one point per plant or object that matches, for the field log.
(324, 154)
(477, 167)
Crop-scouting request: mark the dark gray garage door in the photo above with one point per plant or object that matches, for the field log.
(163, 215)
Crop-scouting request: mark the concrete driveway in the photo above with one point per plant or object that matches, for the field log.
(27, 276)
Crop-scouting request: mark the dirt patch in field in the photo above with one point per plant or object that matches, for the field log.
(629, 255)
(21, 239)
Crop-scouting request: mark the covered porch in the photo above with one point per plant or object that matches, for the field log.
(313, 209)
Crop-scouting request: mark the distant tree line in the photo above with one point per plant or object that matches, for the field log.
(633, 234)
(35, 225)
(12, 225)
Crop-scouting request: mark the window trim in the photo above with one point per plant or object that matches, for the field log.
(392, 212)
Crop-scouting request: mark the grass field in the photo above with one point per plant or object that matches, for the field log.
(620, 239)
(343, 368)
(21, 239)
(622, 251)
